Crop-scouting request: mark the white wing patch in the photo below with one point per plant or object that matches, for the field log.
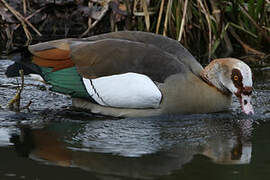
(129, 90)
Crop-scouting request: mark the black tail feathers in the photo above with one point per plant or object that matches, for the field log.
(22, 60)
(30, 68)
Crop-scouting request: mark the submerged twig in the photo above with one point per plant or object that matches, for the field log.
(15, 103)
(17, 98)
(27, 106)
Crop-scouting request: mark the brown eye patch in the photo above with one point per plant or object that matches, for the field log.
(237, 78)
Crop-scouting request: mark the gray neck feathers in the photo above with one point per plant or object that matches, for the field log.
(214, 75)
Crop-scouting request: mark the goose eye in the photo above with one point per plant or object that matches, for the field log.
(235, 78)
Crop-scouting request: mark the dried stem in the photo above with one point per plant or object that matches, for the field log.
(22, 20)
(183, 21)
(255, 24)
(88, 29)
(146, 14)
(160, 15)
(24, 7)
(246, 47)
(90, 24)
(31, 15)
(207, 16)
(169, 5)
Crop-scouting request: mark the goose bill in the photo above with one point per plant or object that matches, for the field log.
(245, 101)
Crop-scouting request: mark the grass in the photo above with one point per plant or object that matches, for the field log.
(218, 28)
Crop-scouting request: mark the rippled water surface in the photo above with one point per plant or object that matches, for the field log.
(52, 141)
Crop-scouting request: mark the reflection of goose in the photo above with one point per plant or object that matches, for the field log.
(233, 151)
(4, 136)
(171, 145)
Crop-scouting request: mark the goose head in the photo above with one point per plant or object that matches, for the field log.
(231, 76)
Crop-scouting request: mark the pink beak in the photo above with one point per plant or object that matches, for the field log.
(245, 101)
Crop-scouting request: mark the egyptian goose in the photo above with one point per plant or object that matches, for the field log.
(131, 74)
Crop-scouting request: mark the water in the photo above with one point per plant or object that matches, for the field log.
(52, 141)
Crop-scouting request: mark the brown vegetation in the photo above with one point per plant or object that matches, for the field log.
(208, 28)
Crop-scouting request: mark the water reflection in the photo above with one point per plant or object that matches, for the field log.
(137, 148)
(4, 136)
